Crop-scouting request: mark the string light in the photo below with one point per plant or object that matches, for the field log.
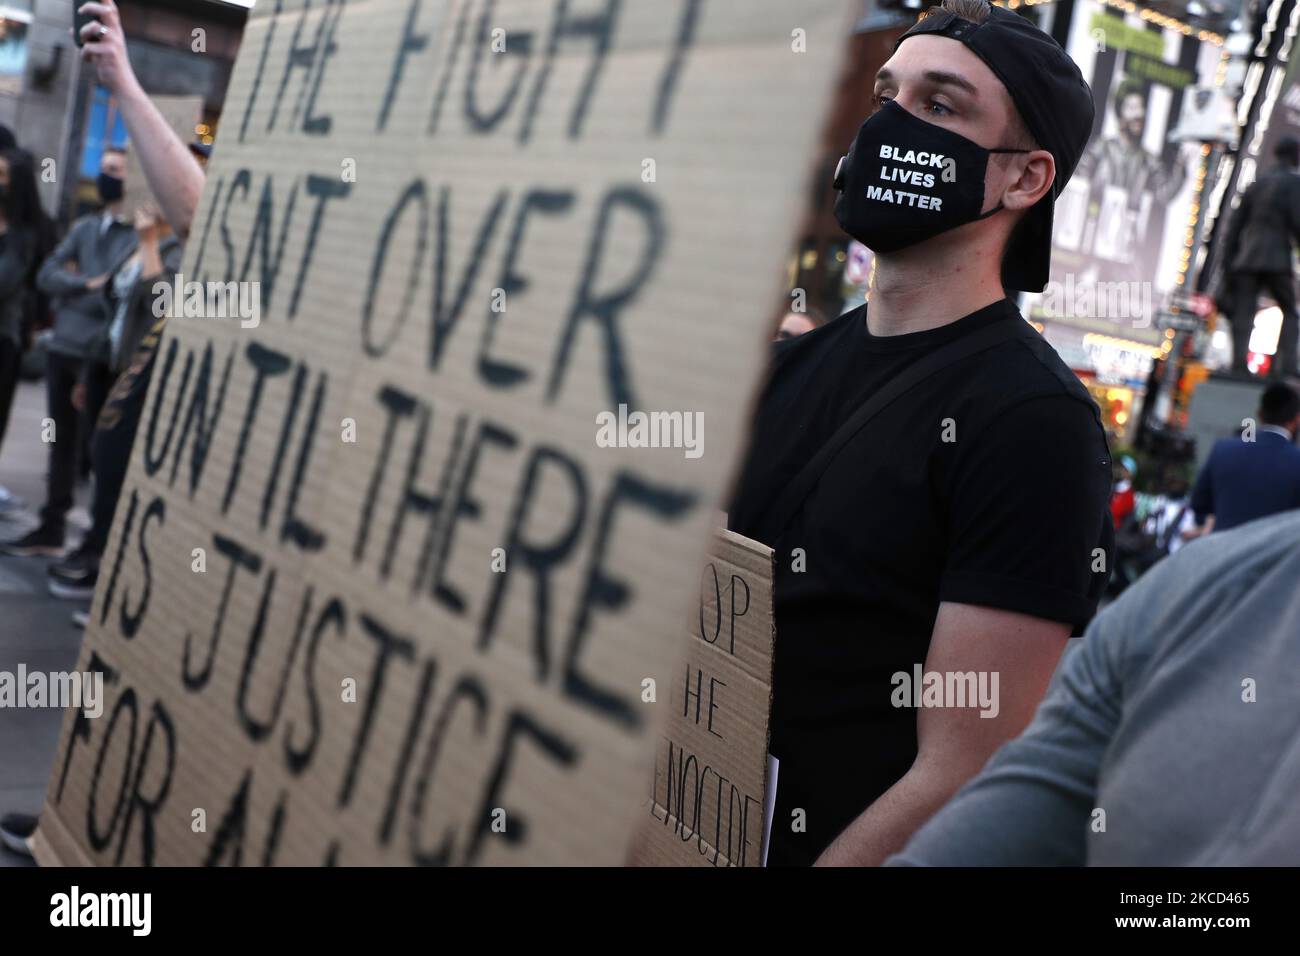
(1151, 16)
(1127, 345)
(1014, 4)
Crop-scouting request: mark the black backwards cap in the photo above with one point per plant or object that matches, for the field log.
(1055, 103)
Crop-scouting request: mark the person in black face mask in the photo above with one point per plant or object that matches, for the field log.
(933, 478)
(78, 377)
(26, 237)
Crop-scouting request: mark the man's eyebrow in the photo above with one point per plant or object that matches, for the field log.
(944, 78)
(937, 77)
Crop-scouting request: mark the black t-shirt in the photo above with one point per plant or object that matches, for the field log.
(986, 484)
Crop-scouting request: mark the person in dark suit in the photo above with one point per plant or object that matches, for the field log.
(1259, 256)
(1257, 474)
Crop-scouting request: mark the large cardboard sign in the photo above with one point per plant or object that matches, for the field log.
(709, 784)
(399, 546)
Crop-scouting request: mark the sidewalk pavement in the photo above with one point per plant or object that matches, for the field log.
(35, 628)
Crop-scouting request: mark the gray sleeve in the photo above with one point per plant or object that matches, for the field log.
(1032, 803)
(145, 294)
(52, 279)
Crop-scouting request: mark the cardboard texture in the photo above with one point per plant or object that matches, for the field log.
(709, 784)
(465, 258)
(182, 114)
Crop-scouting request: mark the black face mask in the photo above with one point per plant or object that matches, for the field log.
(906, 180)
(110, 188)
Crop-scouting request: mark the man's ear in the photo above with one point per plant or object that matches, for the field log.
(1033, 183)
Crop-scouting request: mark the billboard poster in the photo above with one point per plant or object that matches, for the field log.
(1123, 216)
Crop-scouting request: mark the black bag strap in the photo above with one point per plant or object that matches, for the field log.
(792, 497)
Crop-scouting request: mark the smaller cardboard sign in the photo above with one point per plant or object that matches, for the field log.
(710, 777)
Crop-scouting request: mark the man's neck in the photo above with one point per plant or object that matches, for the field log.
(113, 210)
(910, 294)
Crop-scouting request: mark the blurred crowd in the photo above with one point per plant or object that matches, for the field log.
(84, 306)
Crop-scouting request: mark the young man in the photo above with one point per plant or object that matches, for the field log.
(73, 276)
(137, 331)
(963, 530)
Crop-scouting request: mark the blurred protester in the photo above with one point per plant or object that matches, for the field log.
(26, 237)
(1152, 747)
(878, 466)
(74, 276)
(170, 166)
(1154, 527)
(1256, 474)
(1122, 496)
(1257, 252)
(1173, 521)
(175, 178)
(133, 339)
(795, 324)
(7, 140)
